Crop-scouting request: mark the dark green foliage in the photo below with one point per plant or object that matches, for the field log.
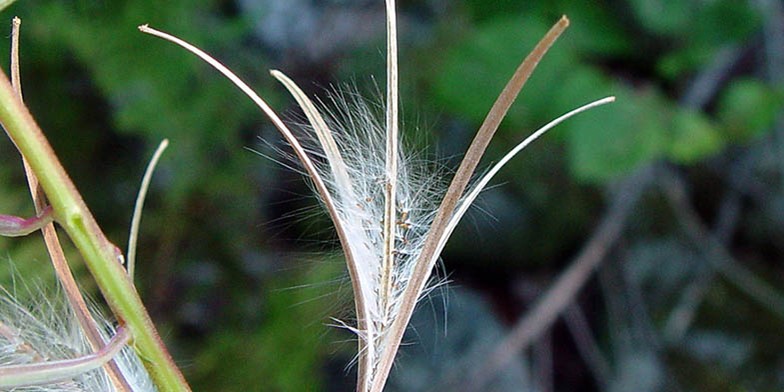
(748, 108)
(645, 124)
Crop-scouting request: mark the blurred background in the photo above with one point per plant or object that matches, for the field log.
(667, 206)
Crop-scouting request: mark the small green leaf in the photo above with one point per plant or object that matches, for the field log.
(748, 108)
(693, 137)
(582, 84)
(684, 61)
(720, 22)
(475, 71)
(664, 17)
(715, 26)
(610, 142)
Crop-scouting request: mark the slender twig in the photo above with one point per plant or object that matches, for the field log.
(704, 86)
(390, 183)
(587, 345)
(773, 22)
(12, 376)
(427, 258)
(715, 253)
(702, 89)
(629, 324)
(14, 226)
(683, 313)
(384, 316)
(345, 190)
(569, 283)
(323, 134)
(62, 269)
(139, 206)
(543, 362)
(310, 167)
(469, 198)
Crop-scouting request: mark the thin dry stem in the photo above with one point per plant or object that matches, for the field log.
(12, 376)
(322, 131)
(424, 265)
(377, 353)
(359, 298)
(139, 206)
(482, 183)
(16, 24)
(339, 170)
(390, 186)
(568, 284)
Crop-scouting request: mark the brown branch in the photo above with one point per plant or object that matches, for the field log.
(715, 252)
(569, 283)
(587, 345)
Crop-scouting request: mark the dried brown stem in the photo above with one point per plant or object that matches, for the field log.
(456, 189)
(569, 283)
(715, 252)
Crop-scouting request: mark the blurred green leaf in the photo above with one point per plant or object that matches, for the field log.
(475, 71)
(594, 29)
(722, 22)
(611, 141)
(285, 351)
(712, 27)
(155, 89)
(484, 10)
(693, 136)
(747, 108)
(679, 62)
(664, 17)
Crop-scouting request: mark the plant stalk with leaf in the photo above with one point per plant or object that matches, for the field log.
(57, 199)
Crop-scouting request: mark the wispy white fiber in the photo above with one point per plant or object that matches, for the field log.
(45, 330)
(359, 134)
(382, 202)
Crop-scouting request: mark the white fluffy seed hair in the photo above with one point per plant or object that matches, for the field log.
(45, 329)
(358, 137)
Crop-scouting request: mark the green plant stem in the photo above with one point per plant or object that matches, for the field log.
(100, 255)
